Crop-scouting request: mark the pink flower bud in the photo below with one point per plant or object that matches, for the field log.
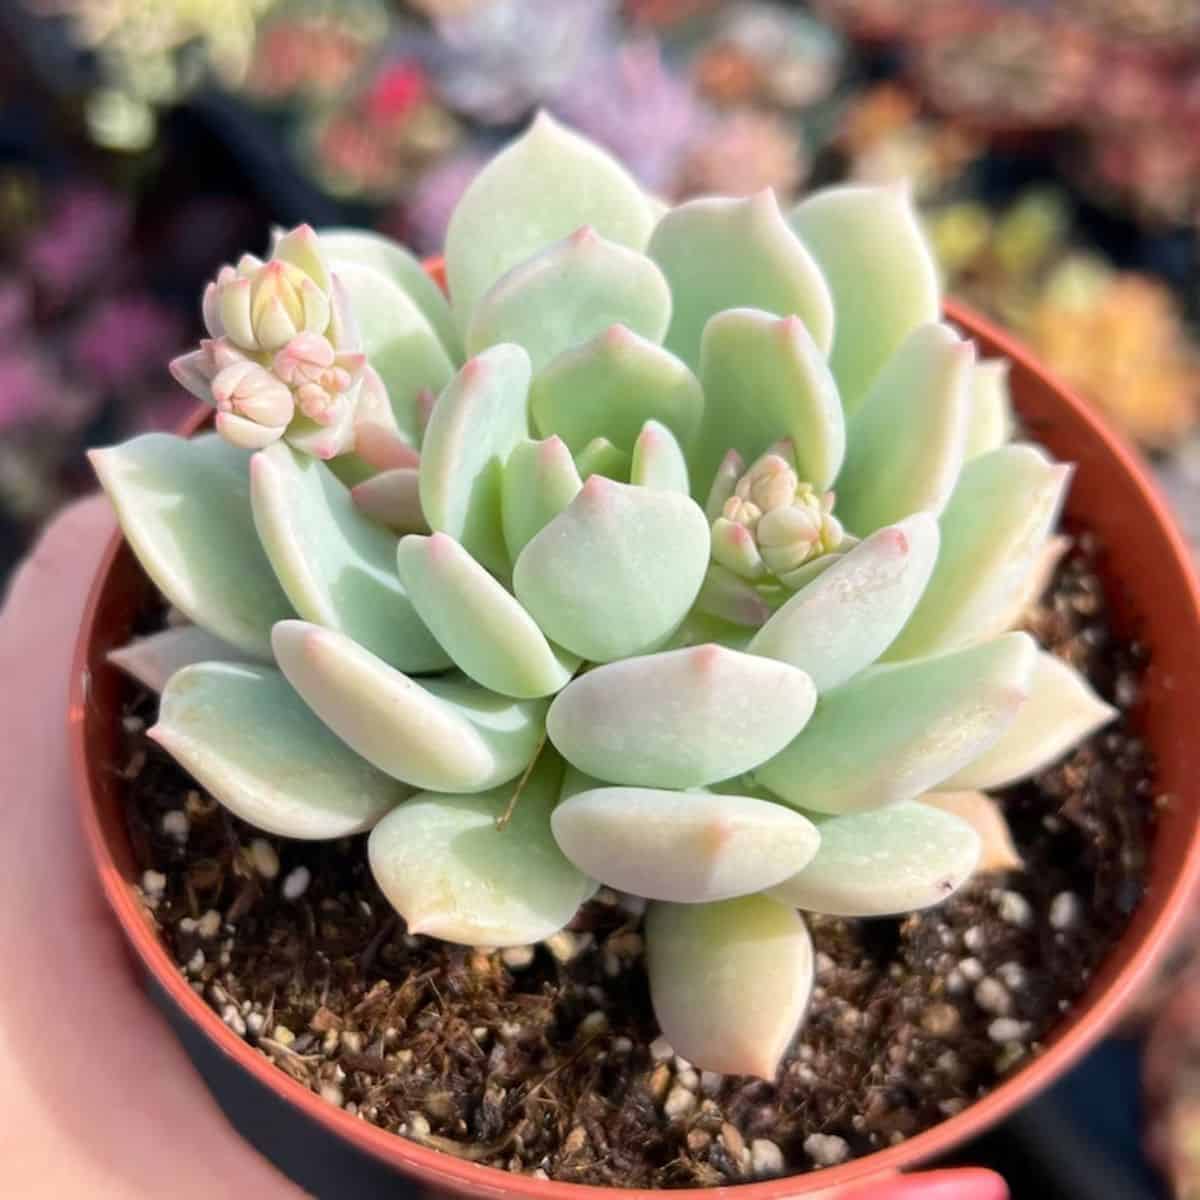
(251, 391)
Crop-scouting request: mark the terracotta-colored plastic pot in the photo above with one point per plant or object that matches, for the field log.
(1154, 597)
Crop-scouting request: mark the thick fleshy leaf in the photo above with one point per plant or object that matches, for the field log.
(542, 187)
(402, 268)
(719, 254)
(473, 428)
(392, 498)
(184, 507)
(658, 460)
(728, 597)
(906, 441)
(1033, 587)
(398, 340)
(490, 637)
(680, 718)
(895, 732)
(858, 234)
(687, 847)
(724, 483)
(540, 480)
(616, 571)
(444, 734)
(848, 615)
(451, 874)
(991, 422)
(765, 379)
(700, 628)
(993, 531)
(610, 386)
(569, 292)
(891, 860)
(601, 457)
(1062, 711)
(246, 737)
(997, 851)
(337, 566)
(153, 659)
(729, 981)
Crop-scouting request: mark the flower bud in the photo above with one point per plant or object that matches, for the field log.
(770, 483)
(250, 391)
(741, 512)
(319, 377)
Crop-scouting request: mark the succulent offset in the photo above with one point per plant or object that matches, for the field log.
(677, 552)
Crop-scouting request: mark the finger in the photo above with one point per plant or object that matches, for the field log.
(48, 592)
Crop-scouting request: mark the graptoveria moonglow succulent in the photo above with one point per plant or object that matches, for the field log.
(677, 552)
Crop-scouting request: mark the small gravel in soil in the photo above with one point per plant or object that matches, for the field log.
(546, 1059)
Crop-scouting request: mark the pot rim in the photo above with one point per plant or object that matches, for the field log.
(1078, 1031)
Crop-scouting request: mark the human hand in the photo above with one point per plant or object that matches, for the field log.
(100, 1099)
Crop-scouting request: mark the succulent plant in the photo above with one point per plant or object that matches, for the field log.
(704, 577)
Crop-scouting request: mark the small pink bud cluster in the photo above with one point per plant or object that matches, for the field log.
(773, 524)
(283, 346)
(318, 375)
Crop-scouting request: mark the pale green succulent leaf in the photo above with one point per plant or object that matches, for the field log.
(687, 847)
(894, 732)
(906, 441)
(898, 859)
(392, 260)
(153, 659)
(680, 718)
(700, 628)
(720, 253)
(184, 507)
(615, 573)
(724, 483)
(246, 737)
(730, 598)
(729, 981)
(847, 616)
(443, 734)
(658, 461)
(880, 271)
(1062, 710)
(545, 185)
(601, 457)
(997, 851)
(478, 622)
(475, 425)
(336, 565)
(609, 386)
(568, 293)
(764, 380)
(984, 564)
(451, 874)
(398, 340)
(393, 499)
(540, 480)
(991, 422)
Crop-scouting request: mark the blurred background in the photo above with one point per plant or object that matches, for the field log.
(1053, 147)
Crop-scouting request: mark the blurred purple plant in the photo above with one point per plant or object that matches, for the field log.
(425, 216)
(124, 339)
(496, 62)
(80, 240)
(632, 104)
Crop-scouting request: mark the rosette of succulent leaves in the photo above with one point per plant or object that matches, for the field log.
(678, 551)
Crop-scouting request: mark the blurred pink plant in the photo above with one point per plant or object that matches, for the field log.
(633, 105)
(125, 339)
(422, 221)
(84, 234)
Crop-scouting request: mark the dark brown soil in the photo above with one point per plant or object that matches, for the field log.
(545, 1059)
